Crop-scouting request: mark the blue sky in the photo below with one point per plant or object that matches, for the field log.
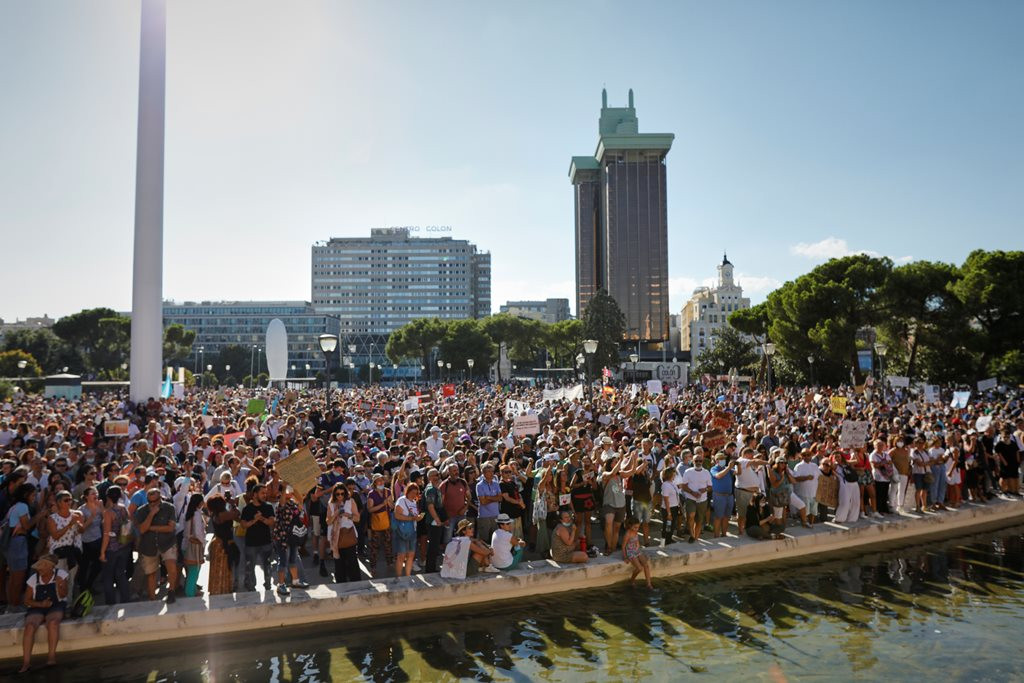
(803, 130)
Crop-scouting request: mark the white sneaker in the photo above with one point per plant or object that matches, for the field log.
(416, 566)
(490, 570)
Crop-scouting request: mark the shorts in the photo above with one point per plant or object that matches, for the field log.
(36, 618)
(699, 510)
(742, 503)
(721, 506)
(17, 553)
(619, 513)
(151, 563)
(642, 511)
(812, 505)
(919, 482)
(403, 546)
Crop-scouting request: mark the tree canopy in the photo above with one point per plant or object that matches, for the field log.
(603, 321)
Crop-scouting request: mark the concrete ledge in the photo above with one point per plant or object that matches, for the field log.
(188, 617)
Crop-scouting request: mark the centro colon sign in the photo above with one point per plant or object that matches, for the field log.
(426, 228)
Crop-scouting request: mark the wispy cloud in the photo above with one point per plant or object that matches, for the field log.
(830, 247)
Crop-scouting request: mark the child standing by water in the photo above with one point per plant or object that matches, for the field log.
(631, 552)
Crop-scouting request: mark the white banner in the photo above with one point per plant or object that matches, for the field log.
(526, 425)
(553, 394)
(987, 384)
(854, 434)
(513, 408)
(411, 404)
(654, 386)
(931, 393)
(574, 393)
(899, 381)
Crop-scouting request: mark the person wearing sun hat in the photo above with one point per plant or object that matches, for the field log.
(46, 594)
(508, 550)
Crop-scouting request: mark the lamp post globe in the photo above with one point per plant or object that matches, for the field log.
(769, 351)
(328, 343)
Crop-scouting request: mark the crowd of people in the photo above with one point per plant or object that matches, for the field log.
(90, 512)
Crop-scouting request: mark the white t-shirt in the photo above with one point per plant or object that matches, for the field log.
(669, 494)
(749, 477)
(408, 508)
(809, 488)
(697, 480)
(33, 581)
(501, 544)
(917, 460)
(879, 460)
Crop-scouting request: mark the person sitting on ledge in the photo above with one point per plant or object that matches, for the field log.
(565, 544)
(507, 549)
(761, 522)
(46, 594)
(480, 554)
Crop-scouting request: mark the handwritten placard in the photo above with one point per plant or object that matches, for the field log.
(838, 404)
(300, 470)
(116, 427)
(854, 433)
(526, 425)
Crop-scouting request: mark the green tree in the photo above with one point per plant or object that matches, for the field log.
(821, 312)
(921, 312)
(991, 289)
(415, 340)
(521, 337)
(113, 345)
(731, 351)
(9, 364)
(235, 355)
(177, 344)
(603, 321)
(46, 347)
(466, 339)
(83, 332)
(563, 340)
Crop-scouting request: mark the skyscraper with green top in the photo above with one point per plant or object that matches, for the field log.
(622, 222)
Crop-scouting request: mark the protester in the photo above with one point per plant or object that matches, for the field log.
(46, 594)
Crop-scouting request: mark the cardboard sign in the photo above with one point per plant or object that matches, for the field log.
(960, 399)
(721, 420)
(526, 425)
(673, 396)
(300, 470)
(116, 428)
(564, 499)
(838, 404)
(854, 434)
(654, 387)
(410, 404)
(899, 381)
(983, 422)
(713, 441)
(931, 393)
(988, 384)
(780, 406)
(654, 411)
(256, 406)
(456, 558)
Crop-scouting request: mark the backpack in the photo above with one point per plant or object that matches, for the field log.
(82, 604)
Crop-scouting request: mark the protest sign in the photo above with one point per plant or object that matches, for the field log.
(673, 396)
(553, 394)
(713, 440)
(721, 420)
(654, 411)
(513, 408)
(838, 404)
(780, 406)
(448, 390)
(899, 381)
(230, 439)
(365, 405)
(115, 427)
(574, 393)
(987, 384)
(983, 422)
(931, 393)
(817, 398)
(526, 425)
(960, 399)
(564, 499)
(605, 419)
(654, 386)
(300, 470)
(411, 404)
(854, 434)
(256, 406)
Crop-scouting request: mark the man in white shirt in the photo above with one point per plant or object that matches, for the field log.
(806, 474)
(748, 482)
(696, 484)
(434, 442)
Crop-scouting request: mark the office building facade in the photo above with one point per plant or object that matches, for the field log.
(244, 323)
(621, 226)
(547, 311)
(708, 311)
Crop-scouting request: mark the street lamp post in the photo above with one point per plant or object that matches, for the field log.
(328, 343)
(209, 368)
(423, 371)
(810, 361)
(470, 362)
(227, 371)
(351, 361)
(634, 358)
(252, 357)
(881, 349)
(590, 348)
(370, 366)
(394, 369)
(440, 365)
(448, 371)
(769, 351)
(202, 358)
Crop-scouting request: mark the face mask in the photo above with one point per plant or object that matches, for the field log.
(380, 488)
(721, 463)
(567, 524)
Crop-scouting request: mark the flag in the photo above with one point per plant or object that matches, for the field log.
(273, 406)
(206, 407)
(165, 392)
(448, 390)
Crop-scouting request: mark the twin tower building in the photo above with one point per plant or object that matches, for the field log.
(622, 222)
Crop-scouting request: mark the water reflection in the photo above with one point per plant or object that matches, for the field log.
(951, 609)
